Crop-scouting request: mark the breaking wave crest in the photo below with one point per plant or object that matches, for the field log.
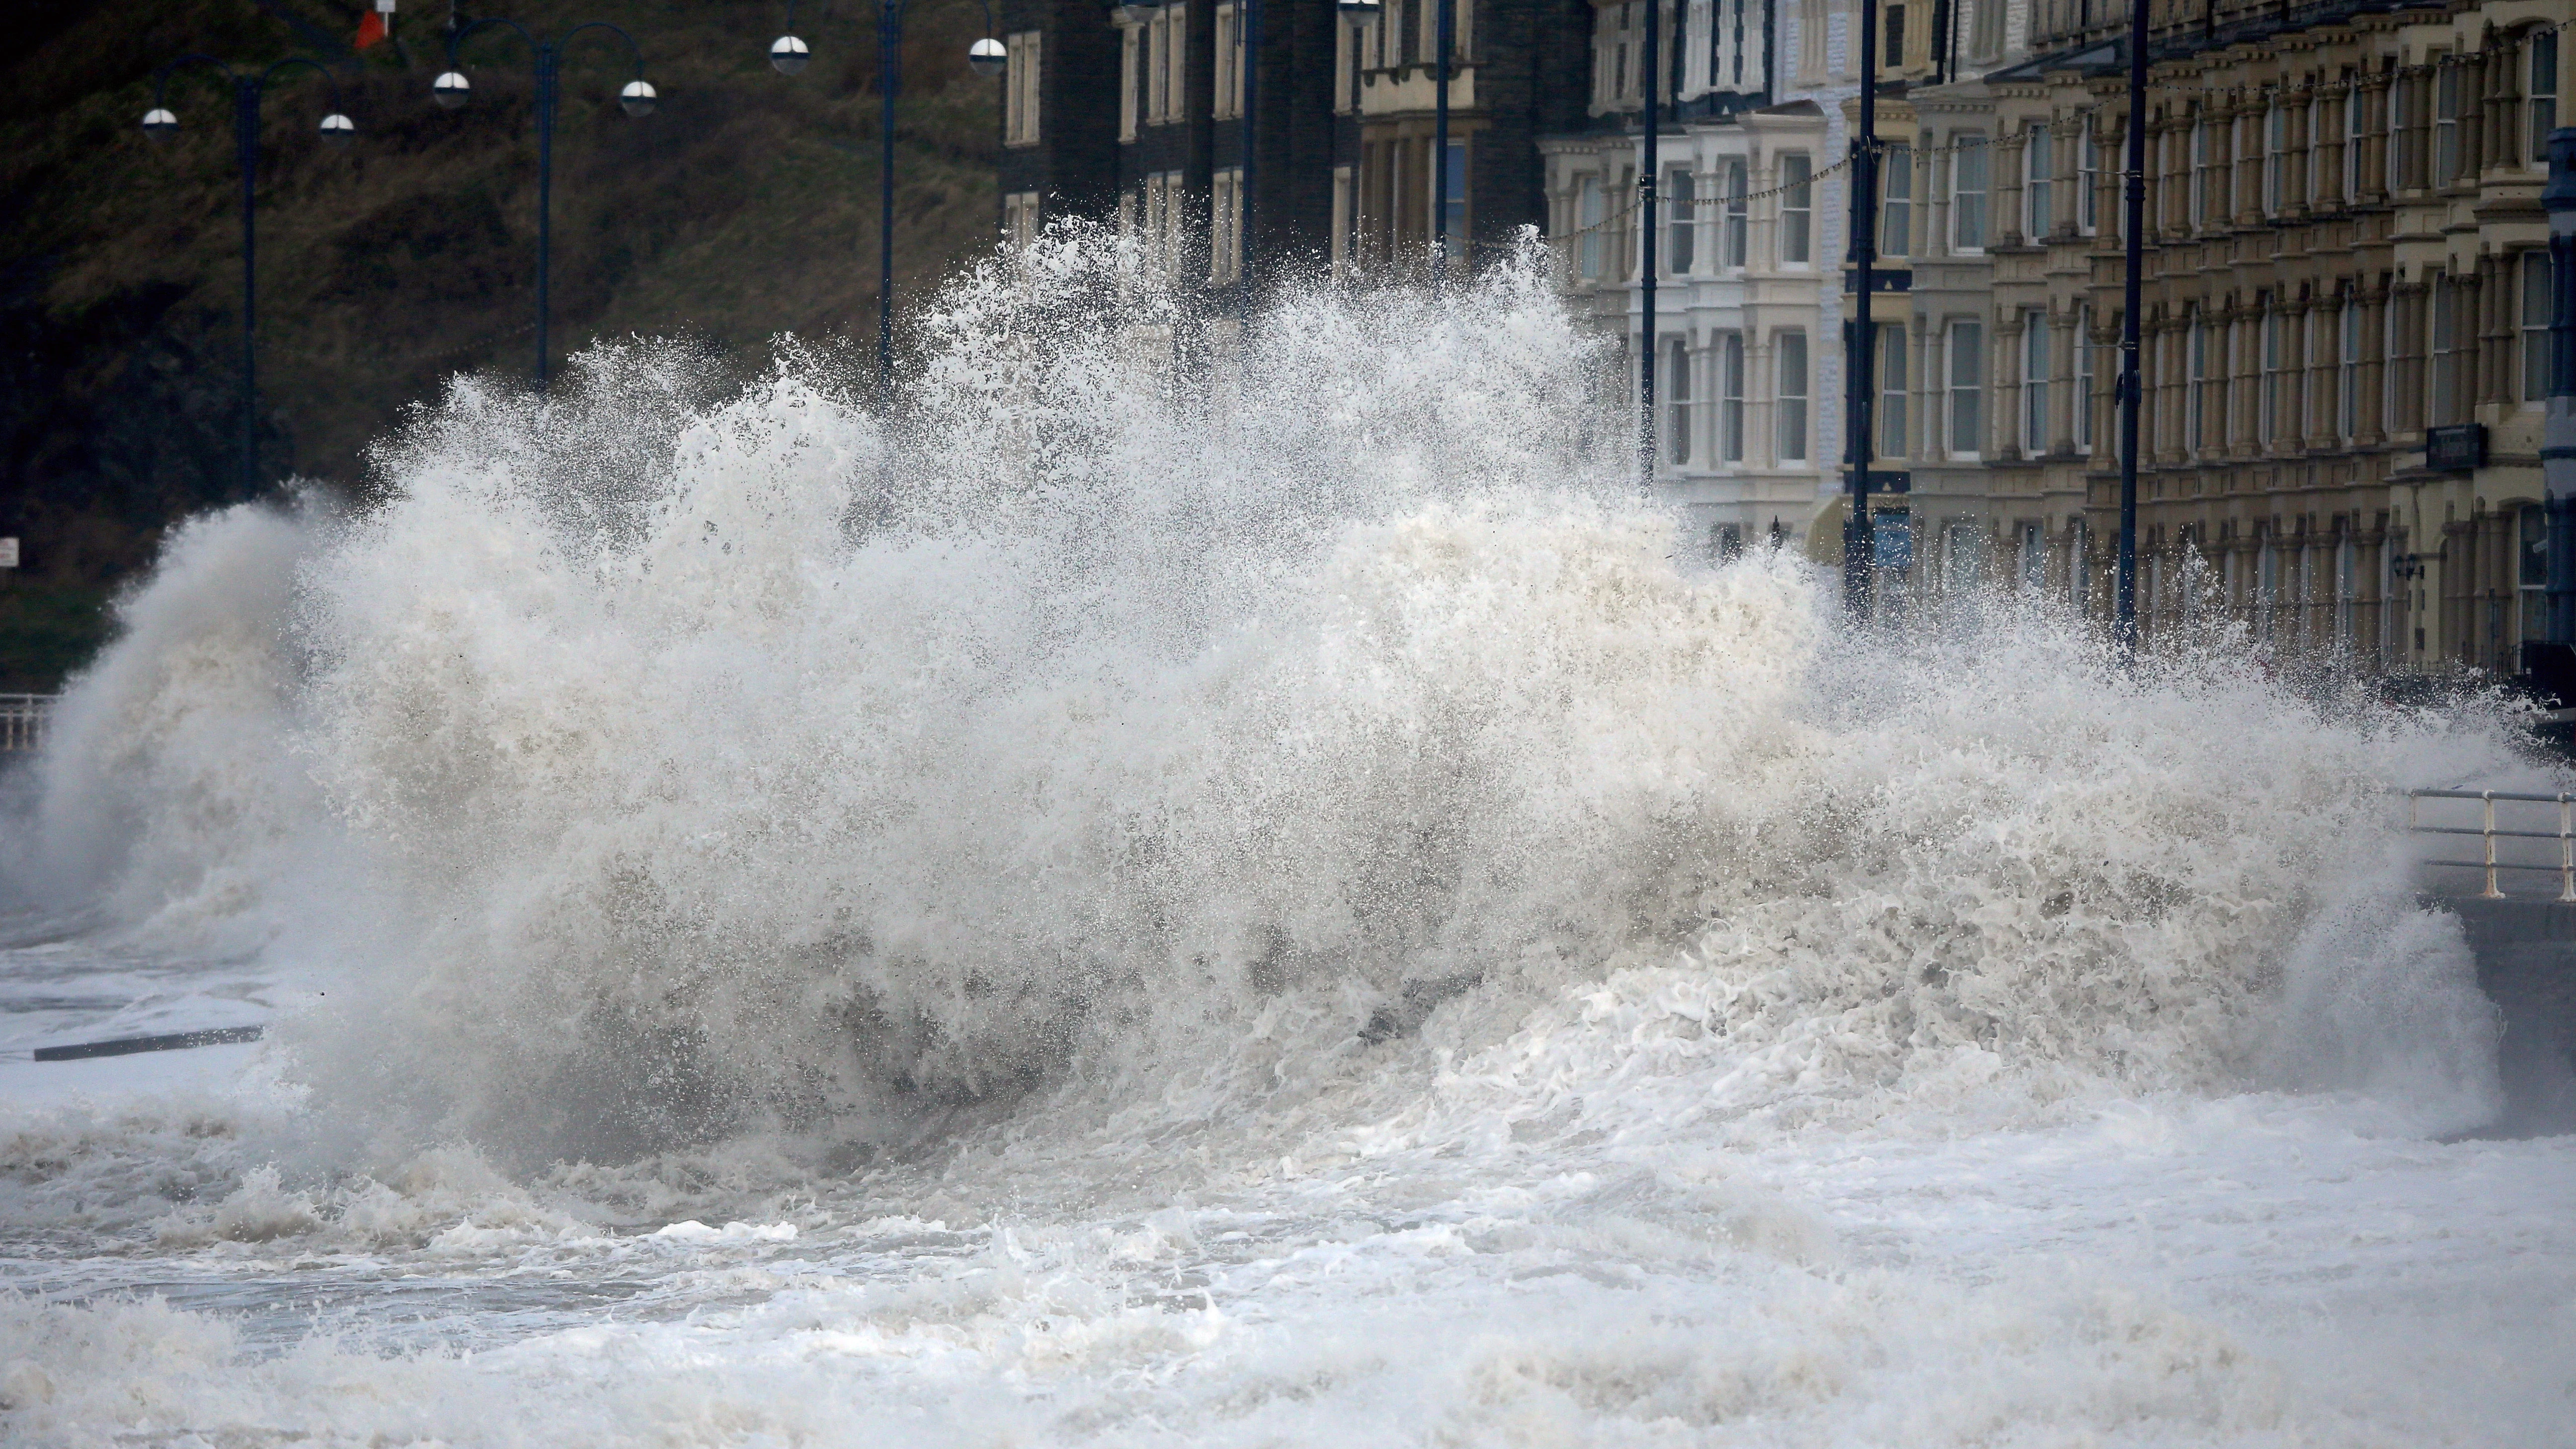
(1185, 731)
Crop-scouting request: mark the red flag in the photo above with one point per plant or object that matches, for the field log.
(371, 29)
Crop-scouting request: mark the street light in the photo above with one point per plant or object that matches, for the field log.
(452, 90)
(986, 57)
(161, 122)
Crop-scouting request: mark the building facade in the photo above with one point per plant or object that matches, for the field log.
(2345, 287)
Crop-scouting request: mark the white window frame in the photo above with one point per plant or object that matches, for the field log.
(1964, 342)
(1738, 241)
(1676, 385)
(2034, 382)
(1891, 385)
(1796, 374)
(1896, 201)
(2088, 182)
(1022, 58)
(1730, 397)
(2540, 88)
(2038, 159)
(1968, 204)
(1681, 220)
(2083, 399)
(2534, 327)
(1797, 210)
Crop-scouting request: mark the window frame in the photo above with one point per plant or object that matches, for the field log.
(1790, 407)
(1968, 219)
(1737, 240)
(1896, 200)
(1797, 209)
(1963, 342)
(2035, 363)
(2535, 297)
(2038, 160)
(1730, 397)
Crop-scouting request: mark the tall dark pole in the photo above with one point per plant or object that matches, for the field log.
(2124, 586)
(1859, 350)
(246, 150)
(889, 75)
(638, 99)
(1646, 257)
(247, 91)
(1440, 137)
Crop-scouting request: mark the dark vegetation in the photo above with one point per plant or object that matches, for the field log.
(744, 208)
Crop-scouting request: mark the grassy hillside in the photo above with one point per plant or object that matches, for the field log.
(745, 207)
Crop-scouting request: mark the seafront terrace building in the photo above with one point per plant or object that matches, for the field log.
(2345, 310)
(2345, 291)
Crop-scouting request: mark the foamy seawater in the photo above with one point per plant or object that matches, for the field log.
(1287, 909)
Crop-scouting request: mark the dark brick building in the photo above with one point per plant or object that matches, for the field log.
(1135, 113)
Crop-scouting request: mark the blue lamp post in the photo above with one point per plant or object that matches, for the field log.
(452, 90)
(986, 57)
(161, 122)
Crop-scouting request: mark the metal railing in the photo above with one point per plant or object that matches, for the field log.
(22, 720)
(2488, 834)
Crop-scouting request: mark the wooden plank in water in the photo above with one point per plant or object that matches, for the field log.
(128, 1045)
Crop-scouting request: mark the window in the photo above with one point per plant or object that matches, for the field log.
(1158, 65)
(2196, 360)
(2037, 160)
(1725, 543)
(2088, 182)
(1730, 397)
(1792, 348)
(1130, 40)
(1680, 207)
(1020, 219)
(2543, 51)
(1677, 384)
(1891, 539)
(1176, 61)
(2200, 198)
(2315, 190)
(2531, 572)
(1738, 223)
(2276, 159)
(1896, 201)
(1343, 219)
(2034, 382)
(2034, 557)
(1020, 89)
(2084, 379)
(2535, 326)
(2446, 352)
(1891, 50)
(1890, 382)
(1963, 549)
(1229, 66)
(1797, 209)
(1967, 372)
(1225, 226)
(1987, 35)
(1591, 214)
(1453, 206)
(1968, 193)
(2351, 141)
(2079, 563)
(2446, 122)
(1348, 53)
(2348, 367)
(2267, 589)
(2269, 421)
